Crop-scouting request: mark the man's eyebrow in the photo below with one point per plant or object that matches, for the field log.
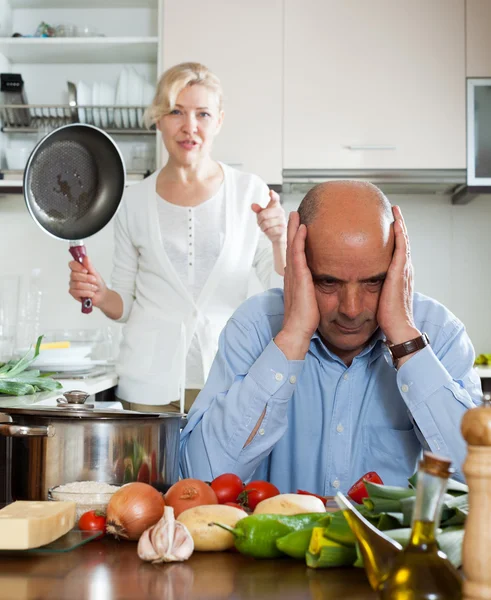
(331, 279)
(378, 277)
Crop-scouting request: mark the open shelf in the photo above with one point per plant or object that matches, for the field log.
(80, 50)
(86, 4)
(29, 118)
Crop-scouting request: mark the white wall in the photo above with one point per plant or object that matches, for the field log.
(451, 248)
(24, 246)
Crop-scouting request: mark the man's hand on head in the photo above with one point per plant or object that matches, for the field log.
(301, 311)
(395, 309)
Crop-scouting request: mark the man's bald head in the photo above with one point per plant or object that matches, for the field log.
(345, 197)
(349, 247)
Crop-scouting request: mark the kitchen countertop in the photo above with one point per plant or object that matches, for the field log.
(92, 385)
(484, 372)
(111, 570)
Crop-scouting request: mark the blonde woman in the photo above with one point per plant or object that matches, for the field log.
(186, 240)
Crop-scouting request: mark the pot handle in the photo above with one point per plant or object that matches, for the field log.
(10, 429)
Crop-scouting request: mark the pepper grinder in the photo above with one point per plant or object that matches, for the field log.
(476, 551)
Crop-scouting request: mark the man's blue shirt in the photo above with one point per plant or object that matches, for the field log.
(327, 424)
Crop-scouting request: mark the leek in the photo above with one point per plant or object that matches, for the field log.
(16, 380)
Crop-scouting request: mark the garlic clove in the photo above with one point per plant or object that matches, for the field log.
(183, 545)
(145, 548)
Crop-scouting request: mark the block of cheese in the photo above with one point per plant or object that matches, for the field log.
(29, 524)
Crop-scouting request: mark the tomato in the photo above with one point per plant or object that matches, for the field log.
(93, 520)
(227, 487)
(304, 493)
(234, 504)
(358, 490)
(255, 491)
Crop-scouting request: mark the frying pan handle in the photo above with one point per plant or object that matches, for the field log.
(78, 252)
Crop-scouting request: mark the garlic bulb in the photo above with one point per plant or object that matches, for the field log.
(167, 541)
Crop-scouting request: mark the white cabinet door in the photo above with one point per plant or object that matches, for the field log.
(478, 40)
(374, 84)
(241, 42)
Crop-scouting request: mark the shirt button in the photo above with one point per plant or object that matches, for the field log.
(261, 432)
(345, 376)
(340, 428)
(279, 376)
(293, 379)
(404, 387)
(336, 483)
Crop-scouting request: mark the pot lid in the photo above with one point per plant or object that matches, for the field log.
(72, 404)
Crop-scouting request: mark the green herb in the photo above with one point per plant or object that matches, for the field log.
(17, 380)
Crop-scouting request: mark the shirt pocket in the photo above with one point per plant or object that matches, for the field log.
(393, 453)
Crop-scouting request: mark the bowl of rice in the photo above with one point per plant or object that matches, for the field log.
(87, 495)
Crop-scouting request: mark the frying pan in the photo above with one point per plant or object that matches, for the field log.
(73, 185)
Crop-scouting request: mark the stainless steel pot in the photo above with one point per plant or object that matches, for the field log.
(48, 446)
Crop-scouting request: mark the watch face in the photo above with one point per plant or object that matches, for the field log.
(387, 355)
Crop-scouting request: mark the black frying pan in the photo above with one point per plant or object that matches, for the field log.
(73, 185)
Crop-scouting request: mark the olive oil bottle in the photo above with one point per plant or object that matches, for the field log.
(421, 571)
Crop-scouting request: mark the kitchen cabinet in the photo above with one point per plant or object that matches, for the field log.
(374, 85)
(478, 41)
(123, 33)
(241, 42)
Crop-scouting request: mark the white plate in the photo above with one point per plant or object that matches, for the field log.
(96, 100)
(121, 116)
(135, 94)
(84, 98)
(106, 98)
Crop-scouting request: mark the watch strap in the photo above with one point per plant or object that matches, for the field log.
(399, 350)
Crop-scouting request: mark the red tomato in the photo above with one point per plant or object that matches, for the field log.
(256, 491)
(93, 520)
(304, 493)
(227, 487)
(234, 504)
(358, 490)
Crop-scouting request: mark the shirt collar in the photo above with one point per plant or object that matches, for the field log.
(374, 349)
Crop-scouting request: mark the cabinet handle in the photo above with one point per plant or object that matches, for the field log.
(372, 147)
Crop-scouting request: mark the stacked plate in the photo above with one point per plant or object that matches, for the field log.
(132, 92)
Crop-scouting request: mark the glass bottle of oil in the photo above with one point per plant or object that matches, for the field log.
(421, 571)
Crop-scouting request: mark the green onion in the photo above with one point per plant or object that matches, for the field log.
(15, 380)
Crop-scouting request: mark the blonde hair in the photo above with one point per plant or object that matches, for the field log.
(171, 84)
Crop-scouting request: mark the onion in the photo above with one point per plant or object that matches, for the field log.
(132, 509)
(187, 493)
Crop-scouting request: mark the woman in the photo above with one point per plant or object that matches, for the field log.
(186, 240)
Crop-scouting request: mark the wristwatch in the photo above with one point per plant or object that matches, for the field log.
(397, 351)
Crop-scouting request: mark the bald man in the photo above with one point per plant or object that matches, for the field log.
(346, 371)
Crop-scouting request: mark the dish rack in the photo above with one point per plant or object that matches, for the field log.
(29, 118)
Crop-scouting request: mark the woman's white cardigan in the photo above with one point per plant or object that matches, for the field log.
(159, 313)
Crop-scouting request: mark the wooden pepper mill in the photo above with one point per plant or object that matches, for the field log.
(476, 552)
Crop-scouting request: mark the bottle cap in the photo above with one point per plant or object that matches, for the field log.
(436, 465)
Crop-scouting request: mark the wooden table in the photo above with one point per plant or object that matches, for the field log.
(107, 570)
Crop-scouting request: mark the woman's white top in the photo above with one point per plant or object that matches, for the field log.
(193, 238)
(160, 312)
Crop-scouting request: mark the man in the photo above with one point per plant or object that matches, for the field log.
(301, 392)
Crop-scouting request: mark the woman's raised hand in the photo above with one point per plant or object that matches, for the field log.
(272, 218)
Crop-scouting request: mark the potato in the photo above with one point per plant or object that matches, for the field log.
(206, 536)
(290, 504)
